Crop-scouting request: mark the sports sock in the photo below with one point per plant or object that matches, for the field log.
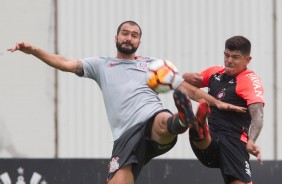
(175, 126)
(177, 81)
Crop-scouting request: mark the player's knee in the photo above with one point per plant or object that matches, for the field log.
(160, 124)
(160, 128)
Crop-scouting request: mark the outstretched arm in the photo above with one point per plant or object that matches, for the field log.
(192, 83)
(197, 94)
(256, 113)
(56, 61)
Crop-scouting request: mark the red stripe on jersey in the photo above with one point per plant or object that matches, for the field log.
(249, 87)
(248, 84)
(244, 137)
(207, 73)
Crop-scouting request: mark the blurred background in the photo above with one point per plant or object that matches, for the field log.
(45, 113)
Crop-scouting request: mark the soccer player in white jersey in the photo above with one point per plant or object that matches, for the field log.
(142, 129)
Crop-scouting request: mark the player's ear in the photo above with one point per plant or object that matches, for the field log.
(115, 38)
(249, 58)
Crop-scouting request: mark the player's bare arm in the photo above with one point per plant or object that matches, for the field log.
(197, 94)
(256, 112)
(56, 61)
(193, 78)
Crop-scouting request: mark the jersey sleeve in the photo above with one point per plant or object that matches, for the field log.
(208, 72)
(91, 67)
(250, 88)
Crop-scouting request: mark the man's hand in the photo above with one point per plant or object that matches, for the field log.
(22, 46)
(194, 79)
(254, 150)
(229, 107)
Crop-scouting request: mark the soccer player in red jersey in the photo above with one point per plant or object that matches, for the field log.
(227, 139)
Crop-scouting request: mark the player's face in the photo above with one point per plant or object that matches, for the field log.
(235, 62)
(128, 39)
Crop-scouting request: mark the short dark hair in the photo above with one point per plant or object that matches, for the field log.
(131, 23)
(238, 43)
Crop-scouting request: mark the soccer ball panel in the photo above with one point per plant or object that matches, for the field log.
(160, 75)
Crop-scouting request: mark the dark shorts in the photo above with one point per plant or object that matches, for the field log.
(135, 147)
(230, 155)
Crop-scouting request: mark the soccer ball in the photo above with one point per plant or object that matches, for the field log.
(161, 75)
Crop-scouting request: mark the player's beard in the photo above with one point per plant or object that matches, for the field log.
(126, 51)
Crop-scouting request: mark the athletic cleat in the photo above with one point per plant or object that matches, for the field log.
(201, 116)
(184, 107)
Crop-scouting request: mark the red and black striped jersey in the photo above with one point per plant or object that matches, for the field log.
(242, 90)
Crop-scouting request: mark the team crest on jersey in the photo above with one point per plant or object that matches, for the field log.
(113, 165)
(221, 94)
(142, 65)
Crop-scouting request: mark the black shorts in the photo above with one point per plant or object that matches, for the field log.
(136, 147)
(230, 155)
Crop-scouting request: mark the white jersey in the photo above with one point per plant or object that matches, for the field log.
(127, 97)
